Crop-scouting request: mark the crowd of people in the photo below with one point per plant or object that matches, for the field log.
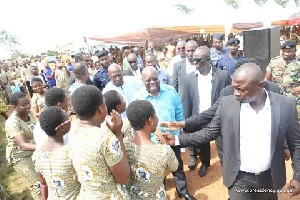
(131, 120)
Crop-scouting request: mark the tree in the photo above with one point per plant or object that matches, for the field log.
(233, 3)
(8, 40)
(184, 8)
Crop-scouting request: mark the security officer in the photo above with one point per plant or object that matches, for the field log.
(232, 57)
(101, 77)
(218, 50)
(285, 71)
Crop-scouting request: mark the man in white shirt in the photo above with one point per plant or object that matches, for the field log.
(180, 49)
(126, 86)
(254, 124)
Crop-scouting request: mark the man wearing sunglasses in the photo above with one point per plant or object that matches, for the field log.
(228, 61)
(203, 88)
(133, 70)
(180, 51)
(167, 104)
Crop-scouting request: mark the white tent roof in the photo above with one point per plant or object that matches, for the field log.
(249, 11)
(278, 12)
(291, 8)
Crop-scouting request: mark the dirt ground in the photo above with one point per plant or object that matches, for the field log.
(210, 187)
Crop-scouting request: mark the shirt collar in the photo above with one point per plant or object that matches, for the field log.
(267, 105)
(198, 73)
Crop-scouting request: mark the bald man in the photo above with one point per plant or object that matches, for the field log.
(180, 54)
(254, 124)
(81, 74)
(126, 86)
(168, 107)
(133, 70)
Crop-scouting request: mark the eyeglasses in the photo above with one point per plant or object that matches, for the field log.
(197, 60)
(152, 79)
(116, 76)
(182, 48)
(65, 122)
(150, 61)
(131, 62)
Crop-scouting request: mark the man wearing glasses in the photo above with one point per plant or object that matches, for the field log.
(133, 70)
(203, 88)
(180, 51)
(163, 77)
(168, 107)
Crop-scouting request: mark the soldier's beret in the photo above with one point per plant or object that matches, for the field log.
(218, 36)
(233, 41)
(289, 44)
(102, 53)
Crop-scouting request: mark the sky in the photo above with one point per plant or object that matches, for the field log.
(43, 25)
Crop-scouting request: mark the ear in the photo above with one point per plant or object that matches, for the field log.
(150, 121)
(14, 107)
(101, 109)
(59, 104)
(261, 84)
(118, 107)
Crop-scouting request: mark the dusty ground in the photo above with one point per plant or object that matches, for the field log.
(210, 187)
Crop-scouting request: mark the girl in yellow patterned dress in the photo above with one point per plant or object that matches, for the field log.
(52, 161)
(148, 161)
(20, 147)
(38, 98)
(98, 155)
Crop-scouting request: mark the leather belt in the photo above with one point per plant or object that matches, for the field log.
(257, 173)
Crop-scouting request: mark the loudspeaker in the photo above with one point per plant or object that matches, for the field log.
(262, 44)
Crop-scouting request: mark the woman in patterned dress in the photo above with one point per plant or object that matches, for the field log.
(148, 161)
(98, 154)
(52, 161)
(38, 98)
(20, 147)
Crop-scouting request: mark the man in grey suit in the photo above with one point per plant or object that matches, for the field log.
(203, 88)
(133, 70)
(254, 124)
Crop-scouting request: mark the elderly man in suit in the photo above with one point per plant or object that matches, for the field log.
(254, 124)
(203, 88)
(133, 70)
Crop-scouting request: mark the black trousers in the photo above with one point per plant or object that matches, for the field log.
(248, 186)
(179, 175)
(203, 151)
(29, 88)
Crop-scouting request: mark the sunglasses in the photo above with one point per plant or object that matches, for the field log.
(65, 122)
(197, 60)
(152, 79)
(182, 48)
(131, 62)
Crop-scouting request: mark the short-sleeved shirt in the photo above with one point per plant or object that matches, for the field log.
(59, 173)
(93, 151)
(74, 86)
(62, 79)
(148, 165)
(216, 55)
(286, 75)
(101, 78)
(227, 63)
(39, 101)
(15, 126)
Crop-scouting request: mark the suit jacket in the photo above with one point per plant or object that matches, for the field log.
(226, 122)
(195, 122)
(129, 72)
(179, 76)
(220, 79)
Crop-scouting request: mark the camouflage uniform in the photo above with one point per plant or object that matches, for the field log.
(286, 75)
(5, 86)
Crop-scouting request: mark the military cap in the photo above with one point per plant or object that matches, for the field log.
(289, 44)
(102, 53)
(233, 41)
(218, 36)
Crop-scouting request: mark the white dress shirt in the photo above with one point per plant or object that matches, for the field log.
(204, 90)
(255, 138)
(189, 67)
(170, 67)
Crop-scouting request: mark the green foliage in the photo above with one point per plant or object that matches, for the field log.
(233, 3)
(16, 54)
(184, 8)
(51, 53)
(8, 40)
(283, 3)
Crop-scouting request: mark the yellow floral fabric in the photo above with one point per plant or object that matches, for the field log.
(148, 165)
(59, 173)
(93, 150)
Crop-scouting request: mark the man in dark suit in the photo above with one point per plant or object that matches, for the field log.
(133, 70)
(254, 124)
(203, 88)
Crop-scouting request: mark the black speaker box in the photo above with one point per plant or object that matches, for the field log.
(262, 44)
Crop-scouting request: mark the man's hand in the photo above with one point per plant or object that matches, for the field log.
(287, 154)
(169, 137)
(159, 136)
(296, 91)
(172, 126)
(115, 123)
(295, 186)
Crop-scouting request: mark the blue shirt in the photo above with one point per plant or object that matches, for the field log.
(227, 63)
(70, 67)
(167, 106)
(140, 63)
(216, 55)
(51, 81)
(163, 76)
(101, 78)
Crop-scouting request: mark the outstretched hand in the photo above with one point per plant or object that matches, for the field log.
(295, 187)
(172, 126)
(169, 138)
(115, 123)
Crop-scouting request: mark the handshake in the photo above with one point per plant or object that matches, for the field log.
(168, 138)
